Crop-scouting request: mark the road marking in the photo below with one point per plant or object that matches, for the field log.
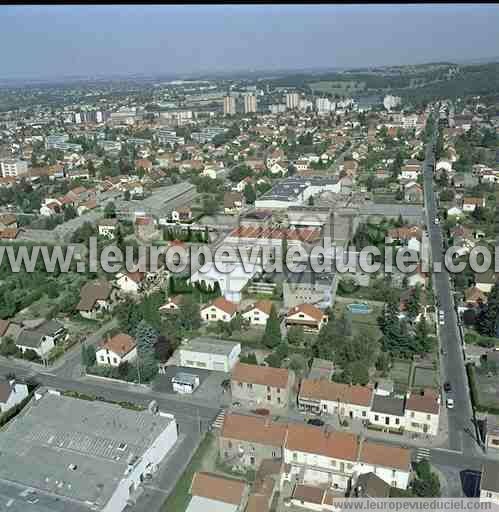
(422, 454)
(219, 420)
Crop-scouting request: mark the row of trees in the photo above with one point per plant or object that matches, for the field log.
(400, 337)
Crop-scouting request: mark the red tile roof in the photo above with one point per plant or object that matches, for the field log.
(255, 429)
(386, 455)
(334, 392)
(261, 375)
(218, 488)
(309, 439)
(120, 344)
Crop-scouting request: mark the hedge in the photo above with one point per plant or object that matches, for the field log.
(475, 397)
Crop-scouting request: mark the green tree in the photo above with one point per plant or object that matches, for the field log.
(272, 335)
(189, 316)
(146, 337)
(249, 358)
(110, 210)
(296, 336)
(488, 318)
(70, 213)
(249, 194)
(427, 483)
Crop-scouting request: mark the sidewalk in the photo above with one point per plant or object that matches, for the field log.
(407, 439)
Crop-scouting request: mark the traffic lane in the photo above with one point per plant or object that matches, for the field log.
(184, 411)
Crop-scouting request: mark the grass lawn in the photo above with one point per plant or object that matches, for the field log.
(425, 378)
(400, 374)
(488, 389)
(180, 497)
(361, 323)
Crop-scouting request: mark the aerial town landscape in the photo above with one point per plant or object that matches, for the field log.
(229, 382)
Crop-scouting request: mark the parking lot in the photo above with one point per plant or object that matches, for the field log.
(210, 383)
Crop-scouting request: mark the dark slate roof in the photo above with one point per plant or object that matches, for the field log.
(371, 485)
(388, 405)
(490, 477)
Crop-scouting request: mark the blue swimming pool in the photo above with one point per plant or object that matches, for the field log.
(359, 309)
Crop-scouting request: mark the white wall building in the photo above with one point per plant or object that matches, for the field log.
(209, 354)
(13, 168)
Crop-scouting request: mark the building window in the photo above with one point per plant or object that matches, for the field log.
(376, 417)
(230, 445)
(295, 456)
(268, 389)
(249, 386)
(397, 421)
(428, 417)
(240, 384)
(269, 398)
(333, 463)
(278, 399)
(115, 360)
(252, 461)
(364, 414)
(278, 390)
(102, 358)
(413, 415)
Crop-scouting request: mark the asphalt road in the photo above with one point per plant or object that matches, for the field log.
(461, 426)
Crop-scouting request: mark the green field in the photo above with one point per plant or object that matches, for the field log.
(400, 373)
(425, 378)
(338, 87)
(361, 323)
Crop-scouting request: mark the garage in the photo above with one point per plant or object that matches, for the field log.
(209, 354)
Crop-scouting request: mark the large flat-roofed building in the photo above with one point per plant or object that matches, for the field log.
(310, 287)
(296, 190)
(210, 354)
(13, 168)
(91, 454)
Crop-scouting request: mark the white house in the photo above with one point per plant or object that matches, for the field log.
(307, 316)
(209, 354)
(116, 350)
(278, 168)
(11, 394)
(40, 336)
(422, 412)
(219, 309)
(409, 173)
(130, 282)
(107, 227)
(444, 164)
(320, 457)
(390, 463)
(470, 203)
(172, 304)
(258, 313)
(95, 298)
(343, 400)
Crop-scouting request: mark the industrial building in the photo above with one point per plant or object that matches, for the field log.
(77, 456)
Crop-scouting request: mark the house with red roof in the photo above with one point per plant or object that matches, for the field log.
(220, 309)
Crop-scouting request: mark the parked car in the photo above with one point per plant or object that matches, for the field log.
(447, 387)
(450, 403)
(316, 422)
